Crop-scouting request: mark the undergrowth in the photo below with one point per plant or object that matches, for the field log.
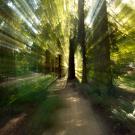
(32, 97)
(117, 110)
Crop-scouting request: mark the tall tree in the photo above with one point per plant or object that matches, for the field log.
(81, 38)
(71, 69)
(59, 66)
(102, 64)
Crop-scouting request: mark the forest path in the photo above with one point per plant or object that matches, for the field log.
(77, 116)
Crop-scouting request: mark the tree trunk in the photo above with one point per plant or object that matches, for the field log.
(59, 66)
(102, 67)
(71, 69)
(81, 38)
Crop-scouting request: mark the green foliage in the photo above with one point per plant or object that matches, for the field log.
(25, 92)
(45, 117)
(127, 79)
(98, 100)
(28, 25)
(32, 95)
(126, 106)
(122, 116)
(101, 101)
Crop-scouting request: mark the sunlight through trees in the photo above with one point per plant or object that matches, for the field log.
(91, 42)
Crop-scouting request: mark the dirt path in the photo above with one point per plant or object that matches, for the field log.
(77, 117)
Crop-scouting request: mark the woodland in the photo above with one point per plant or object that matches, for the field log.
(55, 50)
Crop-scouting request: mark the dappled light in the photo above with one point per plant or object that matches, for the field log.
(67, 67)
(72, 99)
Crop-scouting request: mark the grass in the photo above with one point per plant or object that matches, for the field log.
(33, 95)
(25, 91)
(45, 116)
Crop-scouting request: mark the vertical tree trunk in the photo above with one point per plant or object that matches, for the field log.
(71, 69)
(102, 67)
(59, 66)
(14, 63)
(81, 37)
(47, 62)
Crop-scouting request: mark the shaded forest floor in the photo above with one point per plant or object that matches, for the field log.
(27, 105)
(64, 112)
(77, 117)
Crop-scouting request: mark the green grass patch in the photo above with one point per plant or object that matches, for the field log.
(34, 98)
(45, 115)
(25, 92)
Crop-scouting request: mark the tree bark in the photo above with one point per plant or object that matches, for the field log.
(102, 63)
(71, 69)
(59, 66)
(81, 38)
